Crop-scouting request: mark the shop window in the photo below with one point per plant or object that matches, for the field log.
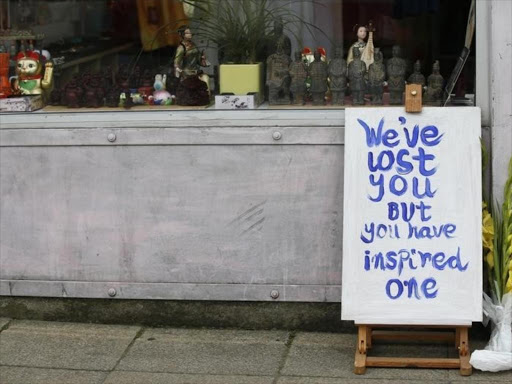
(239, 54)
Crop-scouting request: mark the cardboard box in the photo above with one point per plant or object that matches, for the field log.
(237, 101)
(21, 104)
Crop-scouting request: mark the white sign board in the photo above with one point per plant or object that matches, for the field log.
(412, 238)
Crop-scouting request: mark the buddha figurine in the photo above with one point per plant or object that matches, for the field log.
(30, 77)
(298, 75)
(356, 77)
(376, 78)
(365, 47)
(338, 77)
(318, 73)
(434, 89)
(417, 77)
(278, 77)
(188, 64)
(396, 68)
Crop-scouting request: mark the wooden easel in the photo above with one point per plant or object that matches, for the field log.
(368, 333)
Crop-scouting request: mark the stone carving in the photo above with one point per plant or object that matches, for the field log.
(278, 77)
(280, 38)
(396, 77)
(434, 90)
(338, 77)
(318, 73)
(356, 77)
(417, 77)
(298, 74)
(376, 78)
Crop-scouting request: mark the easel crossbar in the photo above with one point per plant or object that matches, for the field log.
(413, 335)
(457, 337)
(407, 362)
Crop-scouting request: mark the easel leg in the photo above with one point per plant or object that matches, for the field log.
(464, 352)
(361, 349)
(457, 338)
(368, 337)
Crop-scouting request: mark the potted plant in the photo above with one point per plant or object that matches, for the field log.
(242, 31)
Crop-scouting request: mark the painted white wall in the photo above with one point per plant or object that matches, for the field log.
(500, 62)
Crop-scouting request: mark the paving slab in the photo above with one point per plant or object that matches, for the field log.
(3, 322)
(183, 335)
(222, 352)
(478, 381)
(74, 328)
(119, 377)
(348, 340)
(359, 380)
(64, 345)
(327, 355)
(479, 376)
(24, 375)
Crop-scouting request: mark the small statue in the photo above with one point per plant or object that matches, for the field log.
(123, 76)
(161, 96)
(319, 73)
(434, 90)
(356, 74)
(113, 98)
(298, 73)
(126, 100)
(278, 78)
(73, 94)
(396, 77)
(146, 80)
(94, 93)
(30, 79)
(188, 61)
(279, 37)
(417, 77)
(55, 97)
(107, 77)
(376, 78)
(365, 48)
(338, 77)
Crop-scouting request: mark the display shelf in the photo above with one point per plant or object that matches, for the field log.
(137, 108)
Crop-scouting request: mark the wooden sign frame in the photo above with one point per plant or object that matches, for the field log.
(372, 328)
(368, 333)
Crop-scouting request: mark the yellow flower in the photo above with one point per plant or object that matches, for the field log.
(490, 259)
(487, 231)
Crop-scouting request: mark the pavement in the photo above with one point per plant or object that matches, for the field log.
(73, 353)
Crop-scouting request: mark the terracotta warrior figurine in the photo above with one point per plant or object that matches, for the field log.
(396, 77)
(365, 47)
(417, 77)
(356, 74)
(298, 73)
(434, 90)
(278, 78)
(318, 73)
(279, 37)
(338, 77)
(188, 62)
(376, 78)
